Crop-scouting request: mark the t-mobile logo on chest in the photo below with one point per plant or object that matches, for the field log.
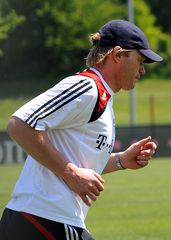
(102, 142)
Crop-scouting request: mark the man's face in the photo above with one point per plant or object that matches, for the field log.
(131, 69)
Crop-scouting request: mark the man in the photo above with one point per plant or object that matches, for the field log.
(69, 133)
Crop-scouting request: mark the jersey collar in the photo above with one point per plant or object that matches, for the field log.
(103, 81)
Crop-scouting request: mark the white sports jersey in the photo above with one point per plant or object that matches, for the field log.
(65, 112)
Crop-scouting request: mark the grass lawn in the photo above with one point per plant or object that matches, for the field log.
(134, 206)
(159, 90)
(7, 107)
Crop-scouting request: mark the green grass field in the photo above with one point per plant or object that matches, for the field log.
(159, 89)
(134, 206)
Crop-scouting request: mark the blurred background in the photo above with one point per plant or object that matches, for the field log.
(43, 41)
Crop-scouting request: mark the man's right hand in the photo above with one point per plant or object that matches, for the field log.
(85, 182)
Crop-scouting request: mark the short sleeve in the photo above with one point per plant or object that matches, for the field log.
(68, 104)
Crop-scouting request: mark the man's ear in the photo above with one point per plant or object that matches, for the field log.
(116, 53)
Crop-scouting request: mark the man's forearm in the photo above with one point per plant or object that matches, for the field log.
(37, 144)
(113, 164)
(85, 182)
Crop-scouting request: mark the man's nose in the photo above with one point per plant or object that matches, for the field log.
(142, 70)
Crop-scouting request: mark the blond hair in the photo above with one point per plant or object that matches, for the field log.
(97, 54)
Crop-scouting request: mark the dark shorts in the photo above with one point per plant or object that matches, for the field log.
(23, 226)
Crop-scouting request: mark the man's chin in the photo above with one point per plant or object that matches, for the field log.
(129, 88)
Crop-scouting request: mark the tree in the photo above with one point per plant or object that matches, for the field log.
(53, 38)
(68, 25)
(159, 41)
(162, 11)
(147, 19)
(9, 20)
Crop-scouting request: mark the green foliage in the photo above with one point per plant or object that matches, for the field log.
(159, 41)
(145, 20)
(68, 25)
(8, 23)
(9, 20)
(53, 39)
(73, 20)
(162, 11)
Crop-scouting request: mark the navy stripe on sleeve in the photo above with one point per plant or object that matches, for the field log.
(59, 101)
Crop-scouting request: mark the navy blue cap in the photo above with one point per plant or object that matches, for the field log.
(126, 35)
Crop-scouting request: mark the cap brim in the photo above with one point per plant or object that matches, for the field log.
(150, 56)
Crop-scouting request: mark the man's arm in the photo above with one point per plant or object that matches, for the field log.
(134, 157)
(85, 182)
